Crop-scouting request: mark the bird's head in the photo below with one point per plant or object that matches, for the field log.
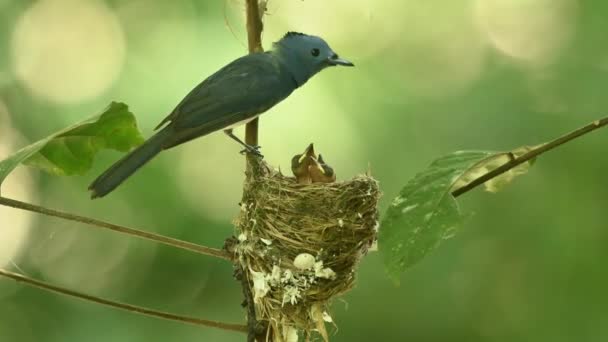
(300, 164)
(306, 55)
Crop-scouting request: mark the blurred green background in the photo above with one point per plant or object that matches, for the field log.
(432, 77)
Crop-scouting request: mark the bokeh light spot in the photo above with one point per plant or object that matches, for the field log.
(170, 51)
(440, 51)
(68, 51)
(14, 224)
(362, 28)
(210, 175)
(92, 261)
(531, 30)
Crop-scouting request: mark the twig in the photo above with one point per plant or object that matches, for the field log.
(531, 155)
(122, 306)
(257, 330)
(192, 247)
(254, 26)
(254, 39)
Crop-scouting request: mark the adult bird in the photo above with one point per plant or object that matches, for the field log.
(236, 94)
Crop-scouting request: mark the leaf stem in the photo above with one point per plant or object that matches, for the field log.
(192, 247)
(531, 154)
(122, 306)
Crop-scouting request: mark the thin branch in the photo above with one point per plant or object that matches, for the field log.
(531, 155)
(254, 39)
(257, 330)
(254, 26)
(192, 247)
(122, 306)
(251, 132)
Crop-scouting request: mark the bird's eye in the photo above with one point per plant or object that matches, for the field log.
(315, 52)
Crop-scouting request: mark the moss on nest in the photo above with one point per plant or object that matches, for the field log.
(329, 226)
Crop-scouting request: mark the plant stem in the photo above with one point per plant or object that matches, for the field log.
(254, 39)
(531, 155)
(192, 247)
(122, 306)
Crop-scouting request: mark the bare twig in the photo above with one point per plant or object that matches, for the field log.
(257, 330)
(254, 38)
(531, 155)
(254, 26)
(192, 247)
(122, 306)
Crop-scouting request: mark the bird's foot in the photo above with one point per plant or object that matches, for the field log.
(253, 149)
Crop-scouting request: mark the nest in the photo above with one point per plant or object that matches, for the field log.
(300, 245)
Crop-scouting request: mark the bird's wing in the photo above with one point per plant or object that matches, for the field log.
(241, 90)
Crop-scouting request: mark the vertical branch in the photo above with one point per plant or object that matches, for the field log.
(256, 331)
(254, 26)
(254, 38)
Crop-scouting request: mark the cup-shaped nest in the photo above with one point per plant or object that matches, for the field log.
(300, 244)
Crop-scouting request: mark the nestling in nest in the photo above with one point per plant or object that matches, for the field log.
(301, 244)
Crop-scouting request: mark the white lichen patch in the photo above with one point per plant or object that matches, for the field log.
(291, 294)
(373, 247)
(449, 233)
(275, 276)
(290, 334)
(428, 217)
(397, 201)
(323, 272)
(242, 237)
(409, 208)
(260, 285)
(287, 277)
(290, 284)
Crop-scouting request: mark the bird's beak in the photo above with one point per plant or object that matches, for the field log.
(308, 152)
(336, 60)
(318, 166)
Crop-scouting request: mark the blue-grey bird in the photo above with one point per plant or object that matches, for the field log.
(234, 95)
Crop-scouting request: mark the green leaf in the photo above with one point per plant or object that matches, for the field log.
(425, 212)
(72, 150)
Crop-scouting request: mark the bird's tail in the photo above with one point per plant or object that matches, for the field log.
(125, 167)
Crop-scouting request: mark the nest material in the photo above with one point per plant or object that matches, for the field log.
(327, 227)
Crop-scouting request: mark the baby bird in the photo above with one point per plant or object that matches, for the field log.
(320, 172)
(301, 163)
